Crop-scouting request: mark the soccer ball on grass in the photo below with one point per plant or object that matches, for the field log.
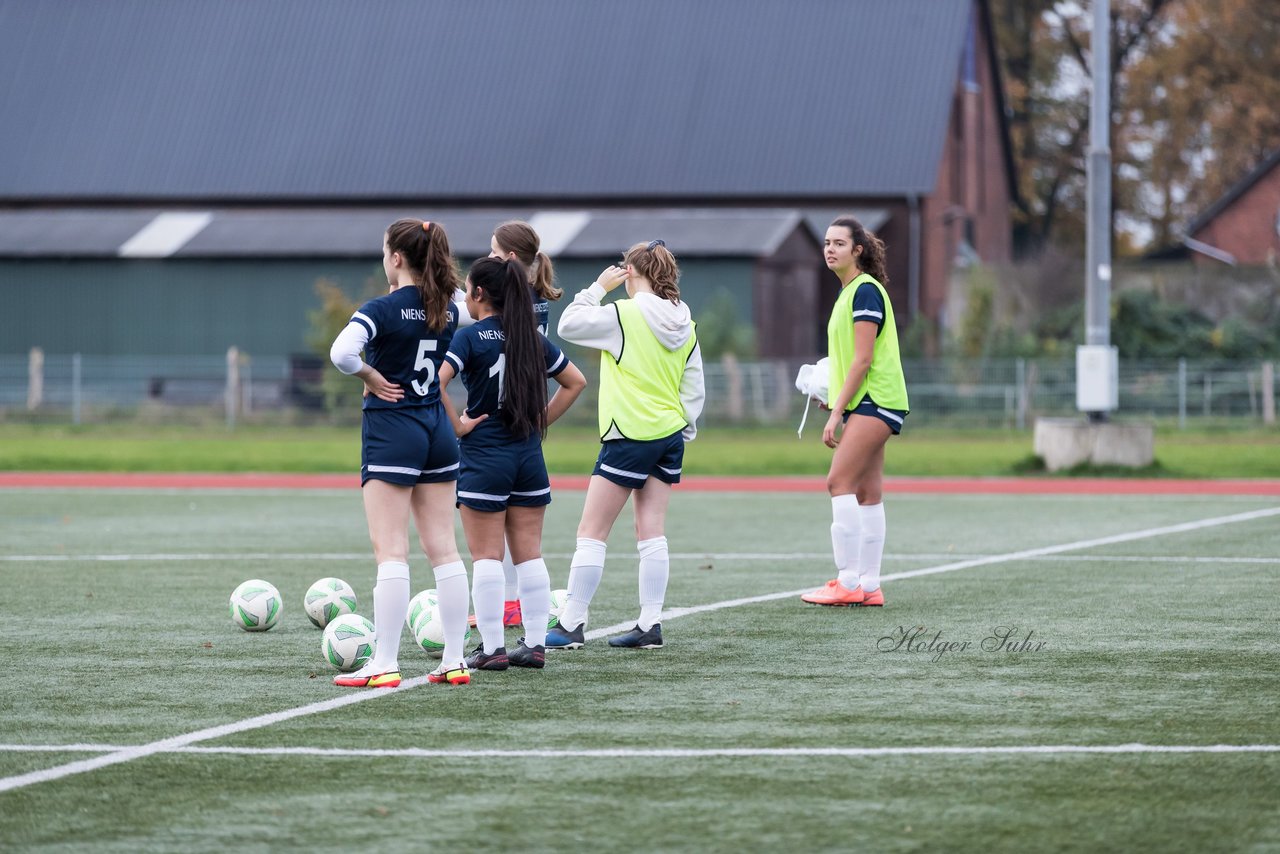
(348, 642)
(327, 599)
(256, 605)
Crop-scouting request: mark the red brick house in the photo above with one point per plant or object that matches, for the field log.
(1243, 226)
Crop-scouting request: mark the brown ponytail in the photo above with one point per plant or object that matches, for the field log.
(656, 263)
(425, 248)
(520, 238)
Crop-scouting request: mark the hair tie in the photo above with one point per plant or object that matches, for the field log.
(653, 243)
(426, 225)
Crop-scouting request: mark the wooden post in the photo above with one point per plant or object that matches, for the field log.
(35, 379)
(232, 396)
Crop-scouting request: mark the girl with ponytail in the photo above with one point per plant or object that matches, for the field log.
(503, 488)
(516, 240)
(651, 394)
(409, 455)
(869, 403)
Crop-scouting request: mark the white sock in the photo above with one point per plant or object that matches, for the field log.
(511, 592)
(390, 606)
(655, 569)
(451, 593)
(486, 598)
(584, 577)
(535, 600)
(846, 538)
(872, 545)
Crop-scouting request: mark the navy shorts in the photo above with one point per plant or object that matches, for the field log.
(868, 407)
(629, 463)
(495, 476)
(408, 446)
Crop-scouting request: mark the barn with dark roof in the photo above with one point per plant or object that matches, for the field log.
(175, 175)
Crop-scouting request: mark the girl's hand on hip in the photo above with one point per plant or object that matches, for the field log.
(376, 384)
(466, 424)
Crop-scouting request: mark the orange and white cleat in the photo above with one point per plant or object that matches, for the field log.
(390, 679)
(835, 593)
(872, 598)
(458, 674)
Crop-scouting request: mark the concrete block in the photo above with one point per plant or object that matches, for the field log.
(1066, 442)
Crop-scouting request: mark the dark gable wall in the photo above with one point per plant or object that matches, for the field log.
(202, 307)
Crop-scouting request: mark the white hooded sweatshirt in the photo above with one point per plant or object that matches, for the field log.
(588, 323)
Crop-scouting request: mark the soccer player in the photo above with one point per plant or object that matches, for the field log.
(503, 488)
(651, 394)
(870, 401)
(518, 240)
(409, 454)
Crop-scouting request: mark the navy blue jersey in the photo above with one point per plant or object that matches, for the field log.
(868, 305)
(402, 348)
(541, 312)
(477, 353)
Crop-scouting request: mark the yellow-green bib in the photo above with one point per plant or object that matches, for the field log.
(640, 392)
(884, 380)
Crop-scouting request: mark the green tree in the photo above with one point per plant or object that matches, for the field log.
(340, 393)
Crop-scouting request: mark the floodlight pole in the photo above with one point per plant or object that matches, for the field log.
(1096, 364)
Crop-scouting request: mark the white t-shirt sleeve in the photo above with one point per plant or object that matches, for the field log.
(588, 323)
(693, 393)
(460, 303)
(346, 349)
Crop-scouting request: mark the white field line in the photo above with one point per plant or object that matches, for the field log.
(668, 752)
(131, 753)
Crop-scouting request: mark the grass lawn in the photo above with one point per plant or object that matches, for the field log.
(572, 450)
(1138, 718)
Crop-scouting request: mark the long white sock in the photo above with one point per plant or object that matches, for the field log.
(584, 577)
(872, 545)
(846, 538)
(486, 598)
(390, 605)
(511, 591)
(655, 569)
(451, 593)
(535, 600)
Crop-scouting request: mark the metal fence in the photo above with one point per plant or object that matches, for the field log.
(1007, 393)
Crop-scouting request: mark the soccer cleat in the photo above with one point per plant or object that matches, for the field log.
(872, 599)
(390, 679)
(559, 637)
(481, 660)
(456, 675)
(835, 593)
(527, 656)
(638, 638)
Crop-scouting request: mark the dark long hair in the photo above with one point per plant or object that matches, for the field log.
(519, 237)
(506, 288)
(871, 261)
(425, 248)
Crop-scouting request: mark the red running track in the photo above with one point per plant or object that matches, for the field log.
(933, 485)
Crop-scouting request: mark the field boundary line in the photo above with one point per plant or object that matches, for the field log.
(138, 752)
